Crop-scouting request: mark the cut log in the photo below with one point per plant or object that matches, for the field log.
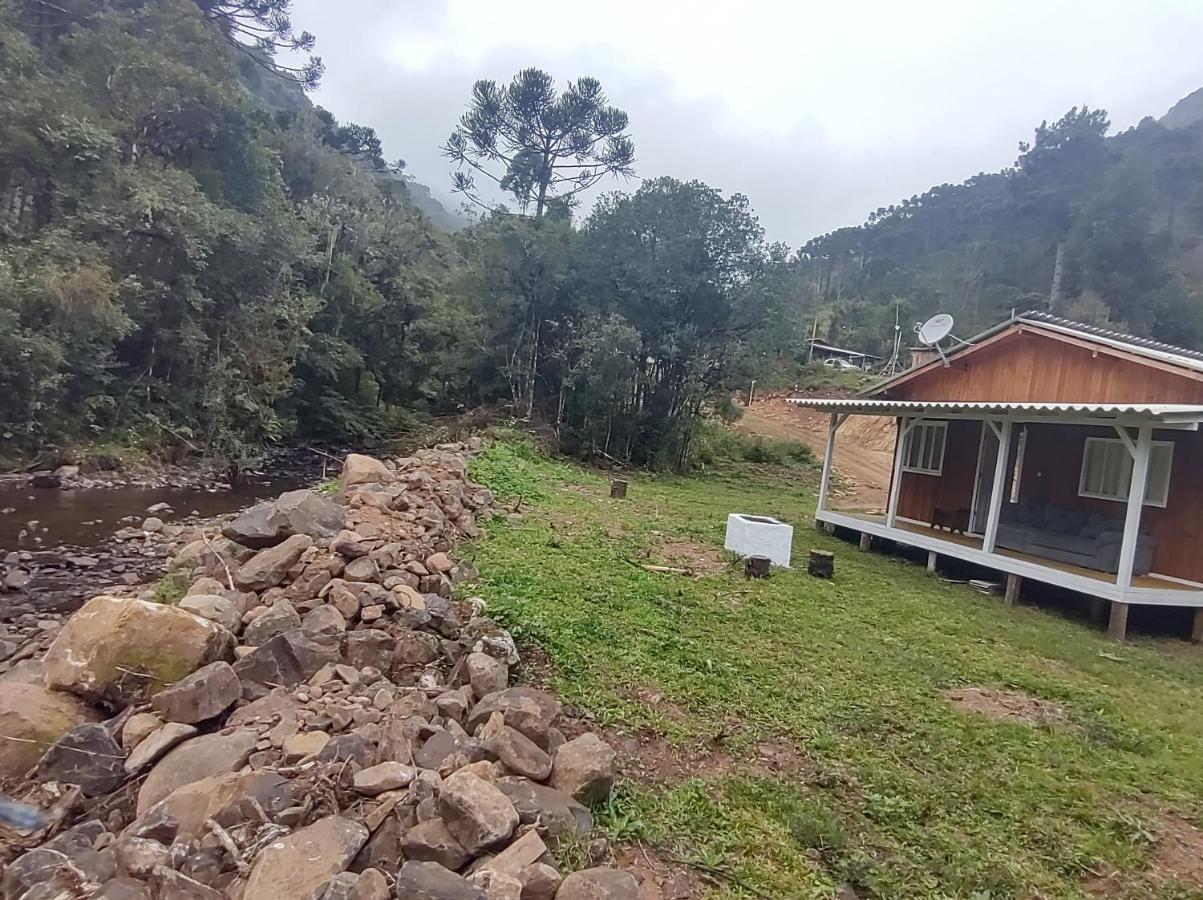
(821, 564)
(618, 489)
(757, 567)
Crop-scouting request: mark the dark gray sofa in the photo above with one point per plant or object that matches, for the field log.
(1063, 535)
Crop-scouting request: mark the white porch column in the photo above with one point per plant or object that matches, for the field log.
(904, 428)
(825, 482)
(1003, 433)
(1136, 500)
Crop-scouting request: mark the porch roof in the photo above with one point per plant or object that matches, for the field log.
(1165, 413)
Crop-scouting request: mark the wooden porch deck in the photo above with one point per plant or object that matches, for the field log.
(1144, 589)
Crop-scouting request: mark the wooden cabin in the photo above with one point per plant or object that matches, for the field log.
(1047, 450)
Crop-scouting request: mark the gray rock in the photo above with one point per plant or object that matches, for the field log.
(363, 569)
(194, 760)
(486, 674)
(528, 710)
(371, 647)
(297, 512)
(299, 866)
(430, 881)
(430, 841)
(278, 619)
(554, 811)
(324, 620)
(207, 692)
(284, 661)
(267, 568)
(599, 884)
(88, 756)
(520, 754)
(584, 767)
(216, 608)
(386, 776)
(156, 744)
(478, 814)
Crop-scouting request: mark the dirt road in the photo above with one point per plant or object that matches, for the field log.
(863, 451)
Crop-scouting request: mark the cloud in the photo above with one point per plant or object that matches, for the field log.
(818, 115)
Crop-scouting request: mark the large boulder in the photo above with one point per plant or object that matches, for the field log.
(196, 759)
(207, 692)
(267, 568)
(360, 469)
(34, 717)
(299, 865)
(599, 884)
(430, 881)
(297, 512)
(119, 651)
(477, 814)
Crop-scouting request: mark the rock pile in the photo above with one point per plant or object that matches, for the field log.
(318, 718)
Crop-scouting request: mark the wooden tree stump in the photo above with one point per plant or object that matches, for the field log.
(821, 564)
(618, 489)
(757, 567)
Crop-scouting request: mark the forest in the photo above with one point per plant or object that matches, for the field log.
(194, 255)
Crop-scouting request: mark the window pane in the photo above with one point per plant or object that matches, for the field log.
(937, 448)
(1160, 461)
(1093, 482)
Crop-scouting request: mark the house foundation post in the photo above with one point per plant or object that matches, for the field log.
(825, 481)
(866, 541)
(1003, 433)
(904, 429)
(1196, 629)
(1136, 498)
(1014, 583)
(1117, 624)
(933, 558)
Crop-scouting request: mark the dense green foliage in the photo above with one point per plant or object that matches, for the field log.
(796, 733)
(191, 252)
(1100, 229)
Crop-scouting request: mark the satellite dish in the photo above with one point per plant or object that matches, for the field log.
(935, 329)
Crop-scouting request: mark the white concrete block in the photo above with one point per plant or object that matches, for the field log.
(759, 536)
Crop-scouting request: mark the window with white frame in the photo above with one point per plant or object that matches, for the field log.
(1107, 471)
(924, 449)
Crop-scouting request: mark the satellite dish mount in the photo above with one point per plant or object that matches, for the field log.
(934, 330)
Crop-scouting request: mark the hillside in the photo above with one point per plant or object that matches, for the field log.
(1101, 228)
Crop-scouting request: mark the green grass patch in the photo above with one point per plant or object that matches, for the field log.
(902, 795)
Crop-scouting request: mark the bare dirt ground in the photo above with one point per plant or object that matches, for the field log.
(863, 451)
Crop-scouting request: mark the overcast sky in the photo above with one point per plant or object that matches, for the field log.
(819, 113)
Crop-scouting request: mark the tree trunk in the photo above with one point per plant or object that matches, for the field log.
(1054, 294)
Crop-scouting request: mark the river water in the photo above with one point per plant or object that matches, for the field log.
(86, 518)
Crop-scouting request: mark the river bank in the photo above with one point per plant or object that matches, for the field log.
(67, 533)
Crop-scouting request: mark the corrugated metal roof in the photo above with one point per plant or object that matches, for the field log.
(1180, 355)
(1169, 413)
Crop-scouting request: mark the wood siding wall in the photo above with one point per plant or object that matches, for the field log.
(1052, 468)
(1026, 366)
(918, 494)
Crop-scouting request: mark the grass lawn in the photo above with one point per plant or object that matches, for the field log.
(887, 787)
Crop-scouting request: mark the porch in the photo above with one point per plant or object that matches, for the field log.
(1083, 497)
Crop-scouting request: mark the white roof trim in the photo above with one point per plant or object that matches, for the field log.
(1168, 413)
(1153, 353)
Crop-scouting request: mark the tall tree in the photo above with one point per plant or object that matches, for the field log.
(536, 145)
(263, 28)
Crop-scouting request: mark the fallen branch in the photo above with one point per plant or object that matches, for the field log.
(660, 570)
(221, 559)
(232, 848)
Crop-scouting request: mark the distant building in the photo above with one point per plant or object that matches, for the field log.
(822, 351)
